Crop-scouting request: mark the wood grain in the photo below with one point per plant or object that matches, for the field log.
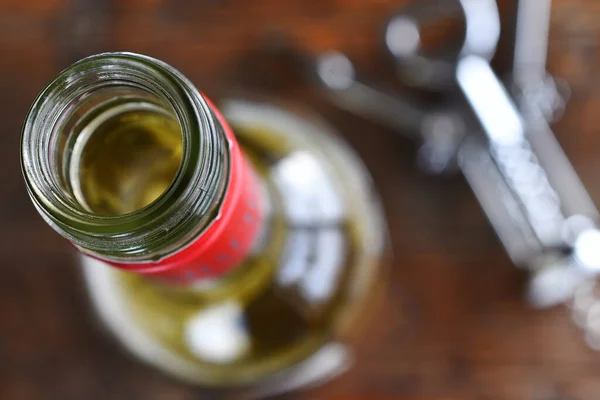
(454, 326)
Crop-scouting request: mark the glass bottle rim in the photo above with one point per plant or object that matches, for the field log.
(175, 217)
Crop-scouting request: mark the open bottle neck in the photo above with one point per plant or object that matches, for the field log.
(210, 205)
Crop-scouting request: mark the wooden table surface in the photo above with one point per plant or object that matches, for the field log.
(454, 324)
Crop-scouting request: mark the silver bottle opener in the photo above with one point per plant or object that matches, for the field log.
(499, 138)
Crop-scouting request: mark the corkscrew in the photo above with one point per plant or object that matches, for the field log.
(497, 134)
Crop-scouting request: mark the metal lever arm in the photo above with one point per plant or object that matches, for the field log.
(437, 131)
(337, 75)
(555, 207)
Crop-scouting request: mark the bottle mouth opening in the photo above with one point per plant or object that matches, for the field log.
(113, 151)
(122, 156)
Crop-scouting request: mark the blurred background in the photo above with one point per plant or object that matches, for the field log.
(454, 324)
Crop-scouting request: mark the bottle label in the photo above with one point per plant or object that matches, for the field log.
(229, 238)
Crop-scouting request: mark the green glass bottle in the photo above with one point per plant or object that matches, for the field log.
(237, 257)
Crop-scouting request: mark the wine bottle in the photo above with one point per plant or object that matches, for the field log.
(240, 256)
